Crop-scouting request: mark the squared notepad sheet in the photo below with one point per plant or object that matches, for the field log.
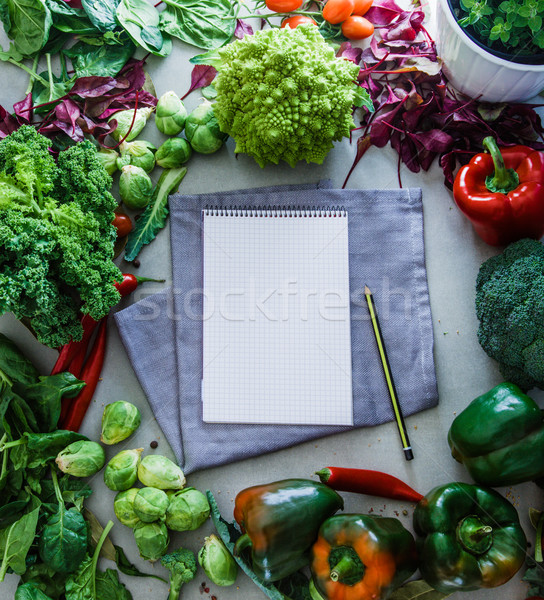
(276, 319)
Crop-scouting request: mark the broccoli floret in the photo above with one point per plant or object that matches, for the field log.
(56, 236)
(282, 94)
(182, 566)
(510, 308)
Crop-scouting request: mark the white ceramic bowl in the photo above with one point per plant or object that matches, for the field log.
(477, 73)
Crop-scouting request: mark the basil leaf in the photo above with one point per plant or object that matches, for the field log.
(207, 25)
(15, 542)
(29, 24)
(140, 20)
(101, 13)
(63, 543)
(100, 61)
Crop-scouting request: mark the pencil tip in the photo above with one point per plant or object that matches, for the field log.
(367, 290)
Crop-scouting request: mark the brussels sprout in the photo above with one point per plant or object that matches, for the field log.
(150, 504)
(108, 157)
(173, 153)
(217, 562)
(122, 470)
(160, 472)
(81, 459)
(135, 187)
(123, 507)
(119, 420)
(124, 120)
(152, 540)
(138, 153)
(202, 130)
(170, 114)
(188, 510)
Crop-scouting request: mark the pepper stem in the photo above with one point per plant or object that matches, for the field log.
(474, 536)
(503, 180)
(343, 569)
(243, 542)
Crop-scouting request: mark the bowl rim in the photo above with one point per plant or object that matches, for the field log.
(444, 6)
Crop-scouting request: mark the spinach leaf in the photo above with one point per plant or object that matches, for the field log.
(206, 24)
(141, 21)
(14, 364)
(102, 61)
(44, 397)
(29, 24)
(44, 578)
(125, 566)
(11, 512)
(15, 542)
(101, 13)
(68, 19)
(153, 219)
(29, 591)
(108, 586)
(63, 542)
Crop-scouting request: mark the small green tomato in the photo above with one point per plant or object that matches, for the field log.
(119, 421)
(152, 540)
(135, 187)
(150, 504)
(170, 114)
(187, 511)
(121, 471)
(81, 459)
(217, 561)
(123, 507)
(160, 472)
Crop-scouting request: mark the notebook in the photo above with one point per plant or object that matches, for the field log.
(276, 316)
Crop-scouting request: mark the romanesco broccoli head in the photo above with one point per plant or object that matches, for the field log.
(510, 307)
(282, 94)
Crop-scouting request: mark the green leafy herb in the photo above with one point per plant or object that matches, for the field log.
(27, 23)
(105, 60)
(141, 21)
(153, 219)
(101, 13)
(15, 541)
(28, 591)
(207, 25)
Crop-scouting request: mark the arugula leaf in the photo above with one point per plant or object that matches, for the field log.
(141, 21)
(101, 13)
(15, 542)
(207, 25)
(105, 60)
(28, 22)
(153, 219)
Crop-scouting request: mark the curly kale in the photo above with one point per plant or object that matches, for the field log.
(510, 307)
(56, 236)
(182, 566)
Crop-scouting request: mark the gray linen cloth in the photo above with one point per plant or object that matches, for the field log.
(386, 253)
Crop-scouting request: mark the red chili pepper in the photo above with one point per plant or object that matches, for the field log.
(364, 481)
(90, 375)
(69, 351)
(502, 193)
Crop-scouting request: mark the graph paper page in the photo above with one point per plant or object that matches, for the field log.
(276, 318)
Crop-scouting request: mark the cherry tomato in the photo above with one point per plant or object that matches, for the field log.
(122, 223)
(283, 6)
(336, 11)
(294, 22)
(361, 7)
(357, 28)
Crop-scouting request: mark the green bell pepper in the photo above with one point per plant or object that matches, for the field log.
(499, 437)
(280, 521)
(471, 538)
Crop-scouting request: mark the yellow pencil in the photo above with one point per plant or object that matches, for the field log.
(408, 454)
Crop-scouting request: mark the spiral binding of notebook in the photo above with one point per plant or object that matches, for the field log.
(276, 315)
(274, 211)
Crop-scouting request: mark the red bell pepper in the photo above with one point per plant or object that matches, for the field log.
(502, 193)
